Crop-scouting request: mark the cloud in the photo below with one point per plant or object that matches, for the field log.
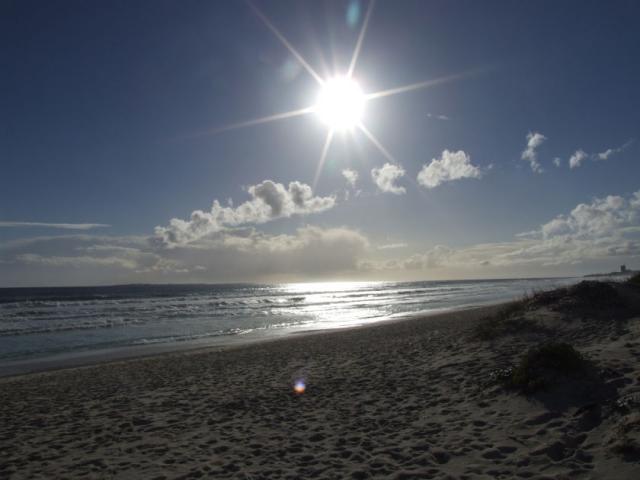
(577, 158)
(386, 176)
(601, 230)
(602, 217)
(605, 230)
(392, 246)
(612, 151)
(75, 261)
(310, 251)
(438, 117)
(269, 201)
(433, 258)
(534, 140)
(351, 176)
(606, 154)
(228, 255)
(66, 226)
(451, 166)
(580, 155)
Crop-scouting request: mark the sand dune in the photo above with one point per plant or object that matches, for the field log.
(410, 399)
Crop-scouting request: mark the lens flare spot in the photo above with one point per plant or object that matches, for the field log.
(299, 387)
(353, 13)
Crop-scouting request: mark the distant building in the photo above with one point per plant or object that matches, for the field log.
(623, 269)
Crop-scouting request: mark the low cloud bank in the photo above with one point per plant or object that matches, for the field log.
(601, 230)
(64, 226)
(225, 256)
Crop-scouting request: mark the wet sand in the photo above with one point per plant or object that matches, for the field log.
(408, 399)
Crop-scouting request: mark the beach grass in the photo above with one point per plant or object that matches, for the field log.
(546, 364)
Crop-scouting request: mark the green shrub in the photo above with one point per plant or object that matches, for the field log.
(635, 280)
(500, 322)
(508, 320)
(594, 294)
(545, 365)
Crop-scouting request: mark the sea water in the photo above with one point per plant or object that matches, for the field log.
(45, 322)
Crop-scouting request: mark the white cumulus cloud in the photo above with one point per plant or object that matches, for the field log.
(609, 152)
(534, 140)
(601, 217)
(577, 158)
(603, 230)
(269, 201)
(351, 176)
(386, 176)
(450, 166)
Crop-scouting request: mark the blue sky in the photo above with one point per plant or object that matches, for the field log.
(106, 108)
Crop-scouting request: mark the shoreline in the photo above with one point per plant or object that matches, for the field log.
(88, 358)
(142, 325)
(408, 399)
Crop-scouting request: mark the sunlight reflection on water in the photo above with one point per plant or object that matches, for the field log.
(46, 322)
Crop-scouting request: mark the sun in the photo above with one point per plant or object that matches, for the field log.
(340, 103)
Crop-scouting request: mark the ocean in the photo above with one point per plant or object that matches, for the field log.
(47, 323)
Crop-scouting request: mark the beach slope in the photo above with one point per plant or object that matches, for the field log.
(431, 397)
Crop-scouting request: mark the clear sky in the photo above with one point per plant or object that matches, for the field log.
(517, 157)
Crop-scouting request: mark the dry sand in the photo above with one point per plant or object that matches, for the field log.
(409, 399)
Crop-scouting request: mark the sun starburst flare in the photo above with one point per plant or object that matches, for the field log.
(341, 102)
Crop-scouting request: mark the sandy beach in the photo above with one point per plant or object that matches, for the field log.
(418, 398)
(332, 240)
